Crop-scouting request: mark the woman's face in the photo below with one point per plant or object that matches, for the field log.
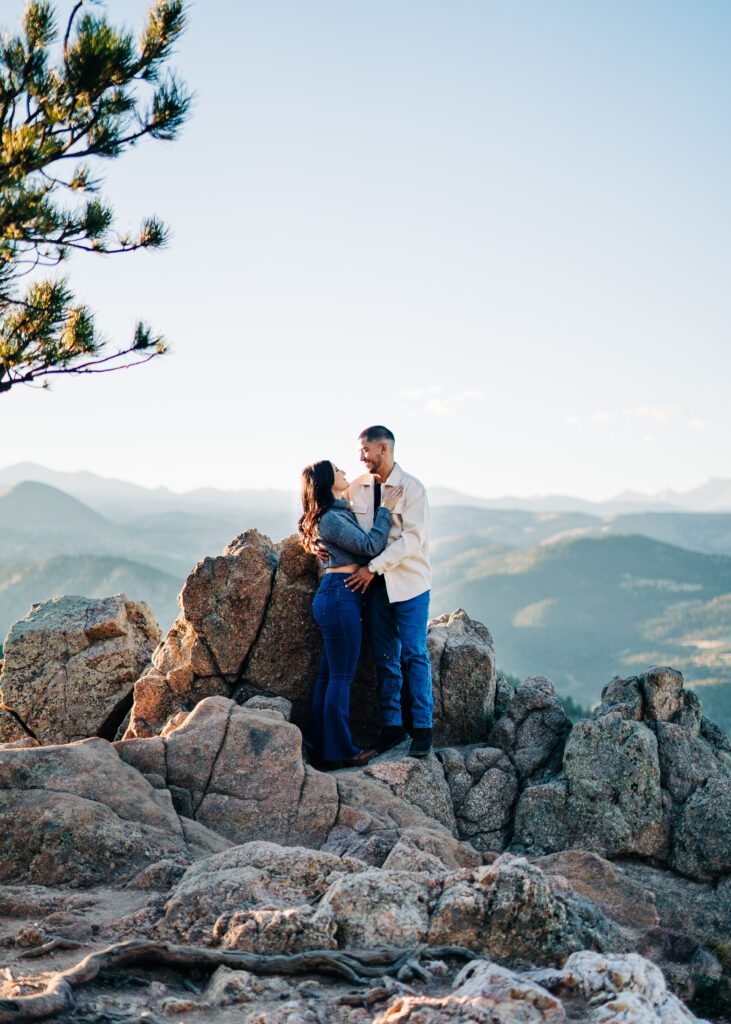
(341, 481)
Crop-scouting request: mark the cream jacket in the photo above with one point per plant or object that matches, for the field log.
(405, 562)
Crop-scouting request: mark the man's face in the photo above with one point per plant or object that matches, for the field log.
(372, 454)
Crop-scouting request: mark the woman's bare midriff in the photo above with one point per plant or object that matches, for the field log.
(343, 568)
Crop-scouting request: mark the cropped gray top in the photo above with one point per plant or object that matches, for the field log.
(345, 540)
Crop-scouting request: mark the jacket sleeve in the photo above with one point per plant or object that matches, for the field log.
(414, 520)
(345, 533)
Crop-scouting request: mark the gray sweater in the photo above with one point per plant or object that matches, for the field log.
(346, 541)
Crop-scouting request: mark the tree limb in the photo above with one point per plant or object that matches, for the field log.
(357, 966)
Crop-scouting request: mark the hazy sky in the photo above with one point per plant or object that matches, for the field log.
(500, 228)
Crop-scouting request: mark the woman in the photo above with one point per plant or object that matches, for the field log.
(338, 610)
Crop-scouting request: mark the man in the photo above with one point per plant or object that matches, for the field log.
(397, 583)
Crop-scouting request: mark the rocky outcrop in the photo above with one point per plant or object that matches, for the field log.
(639, 778)
(624, 900)
(463, 678)
(525, 744)
(264, 897)
(222, 605)
(70, 666)
(258, 896)
(419, 782)
(246, 629)
(77, 815)
(240, 772)
(372, 818)
(285, 657)
(532, 730)
(523, 839)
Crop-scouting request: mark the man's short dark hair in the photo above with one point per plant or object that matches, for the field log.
(376, 433)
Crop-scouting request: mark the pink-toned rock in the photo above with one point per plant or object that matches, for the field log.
(246, 629)
(76, 815)
(222, 607)
(256, 896)
(71, 663)
(420, 782)
(240, 773)
(285, 657)
(619, 896)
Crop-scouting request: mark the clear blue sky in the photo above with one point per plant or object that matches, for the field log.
(500, 228)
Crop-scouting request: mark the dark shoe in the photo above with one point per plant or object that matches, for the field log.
(391, 736)
(325, 766)
(361, 759)
(421, 743)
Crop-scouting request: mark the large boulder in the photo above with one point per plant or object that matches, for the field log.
(463, 678)
(77, 815)
(420, 782)
(646, 776)
(510, 912)
(70, 666)
(284, 660)
(241, 773)
(525, 744)
(372, 818)
(222, 606)
(622, 898)
(614, 799)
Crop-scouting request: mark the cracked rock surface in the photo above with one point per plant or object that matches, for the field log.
(70, 666)
(239, 771)
(246, 629)
(76, 814)
(645, 776)
(222, 606)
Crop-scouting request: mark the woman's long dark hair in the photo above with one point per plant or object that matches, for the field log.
(317, 497)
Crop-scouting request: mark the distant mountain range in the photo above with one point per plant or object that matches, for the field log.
(574, 595)
(459, 528)
(712, 496)
(583, 610)
(121, 500)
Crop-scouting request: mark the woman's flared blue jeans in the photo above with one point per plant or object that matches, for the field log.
(339, 614)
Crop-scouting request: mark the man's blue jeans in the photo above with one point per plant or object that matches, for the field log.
(338, 612)
(398, 641)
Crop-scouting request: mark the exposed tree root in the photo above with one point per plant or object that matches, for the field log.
(54, 942)
(357, 966)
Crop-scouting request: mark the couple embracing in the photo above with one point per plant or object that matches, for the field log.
(372, 537)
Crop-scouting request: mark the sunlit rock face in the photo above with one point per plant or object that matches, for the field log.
(70, 666)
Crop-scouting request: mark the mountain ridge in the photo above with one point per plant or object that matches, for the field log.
(711, 495)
